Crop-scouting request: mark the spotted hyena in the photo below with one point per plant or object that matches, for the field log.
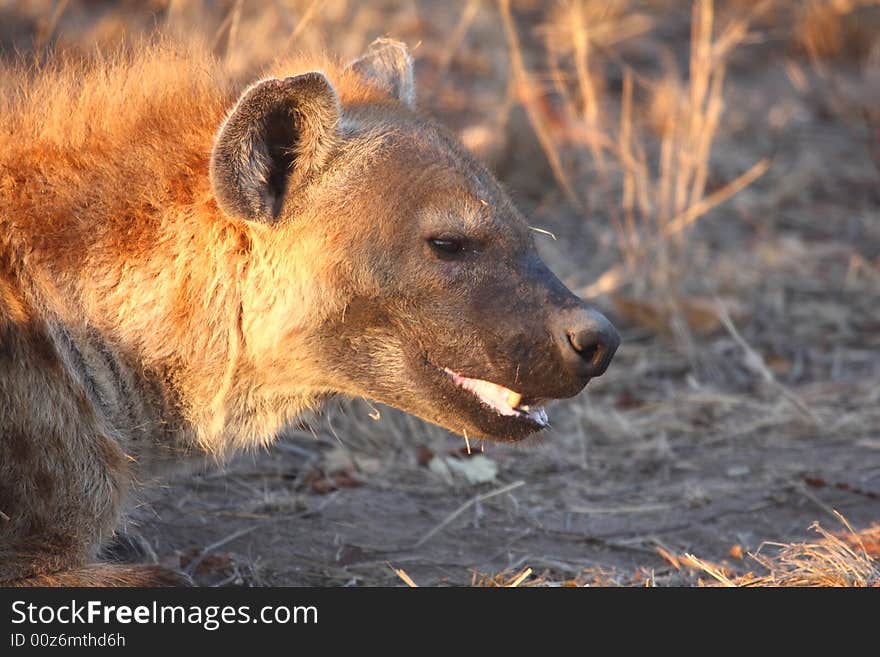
(185, 269)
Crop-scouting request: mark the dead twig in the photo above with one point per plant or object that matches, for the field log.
(755, 362)
(700, 208)
(819, 503)
(464, 507)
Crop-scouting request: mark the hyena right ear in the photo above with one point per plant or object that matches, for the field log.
(389, 65)
(278, 133)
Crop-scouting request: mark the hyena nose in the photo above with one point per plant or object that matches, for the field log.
(588, 342)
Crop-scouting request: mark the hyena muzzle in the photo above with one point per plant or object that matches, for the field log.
(184, 273)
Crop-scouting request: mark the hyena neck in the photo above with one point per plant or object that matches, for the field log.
(240, 349)
(271, 374)
(177, 341)
(256, 420)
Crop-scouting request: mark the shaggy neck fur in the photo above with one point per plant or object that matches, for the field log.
(105, 203)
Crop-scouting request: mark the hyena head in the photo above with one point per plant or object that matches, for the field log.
(428, 293)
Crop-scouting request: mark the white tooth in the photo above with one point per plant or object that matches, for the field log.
(539, 416)
(502, 400)
(525, 407)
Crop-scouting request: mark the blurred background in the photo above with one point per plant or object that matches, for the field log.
(708, 173)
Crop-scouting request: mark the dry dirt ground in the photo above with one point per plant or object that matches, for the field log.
(743, 404)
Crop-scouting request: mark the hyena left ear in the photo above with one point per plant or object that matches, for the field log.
(389, 65)
(277, 135)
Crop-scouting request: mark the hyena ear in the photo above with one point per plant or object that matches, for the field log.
(277, 135)
(389, 65)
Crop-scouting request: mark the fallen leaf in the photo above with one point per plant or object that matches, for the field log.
(478, 469)
(337, 460)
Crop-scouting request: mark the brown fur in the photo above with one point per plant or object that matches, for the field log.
(125, 142)
(183, 274)
(95, 575)
(103, 192)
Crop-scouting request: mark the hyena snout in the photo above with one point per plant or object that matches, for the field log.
(586, 341)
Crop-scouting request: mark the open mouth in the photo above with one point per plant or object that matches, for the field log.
(500, 399)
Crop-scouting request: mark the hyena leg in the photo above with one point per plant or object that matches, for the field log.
(60, 498)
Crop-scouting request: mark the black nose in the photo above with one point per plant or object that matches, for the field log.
(587, 341)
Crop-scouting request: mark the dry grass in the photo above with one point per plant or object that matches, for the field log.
(831, 31)
(830, 561)
(835, 29)
(842, 559)
(834, 560)
(653, 167)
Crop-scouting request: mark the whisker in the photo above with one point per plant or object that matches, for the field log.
(543, 232)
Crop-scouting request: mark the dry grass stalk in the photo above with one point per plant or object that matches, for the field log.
(830, 561)
(586, 82)
(578, 31)
(661, 205)
(401, 573)
(618, 276)
(519, 579)
(714, 570)
(531, 101)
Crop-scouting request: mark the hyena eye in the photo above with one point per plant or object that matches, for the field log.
(446, 246)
